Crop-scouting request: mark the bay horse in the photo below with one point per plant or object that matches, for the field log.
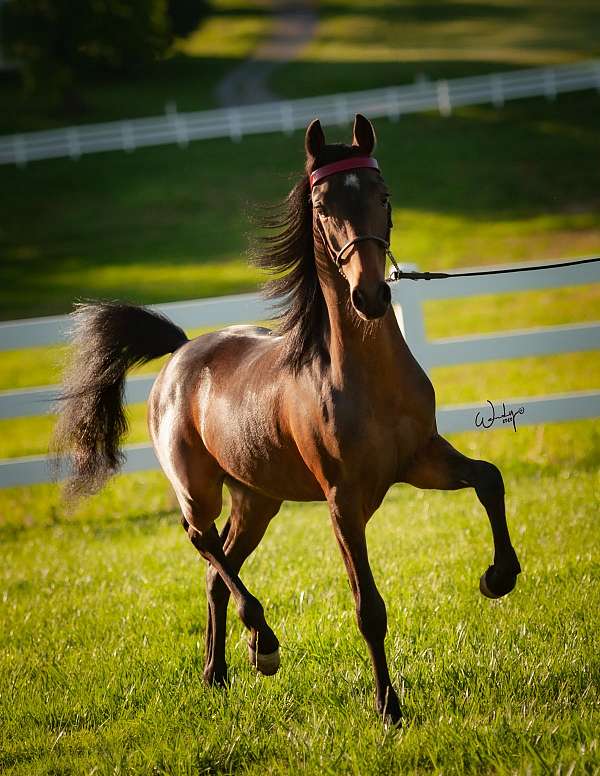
(332, 406)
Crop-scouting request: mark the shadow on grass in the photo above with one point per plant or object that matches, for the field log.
(110, 524)
(164, 223)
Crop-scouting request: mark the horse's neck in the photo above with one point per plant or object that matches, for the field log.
(356, 346)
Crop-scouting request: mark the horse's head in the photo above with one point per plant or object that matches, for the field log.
(351, 213)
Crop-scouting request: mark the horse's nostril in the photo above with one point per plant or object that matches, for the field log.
(384, 294)
(358, 300)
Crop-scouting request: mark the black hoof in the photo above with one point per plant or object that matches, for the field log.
(389, 709)
(215, 677)
(495, 584)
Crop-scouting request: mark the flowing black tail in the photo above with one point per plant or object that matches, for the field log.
(108, 339)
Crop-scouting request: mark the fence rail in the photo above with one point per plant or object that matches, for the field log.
(408, 298)
(286, 116)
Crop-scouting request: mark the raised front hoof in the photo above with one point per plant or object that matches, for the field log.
(268, 665)
(389, 711)
(215, 677)
(494, 584)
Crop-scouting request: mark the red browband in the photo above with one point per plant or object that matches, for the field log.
(345, 164)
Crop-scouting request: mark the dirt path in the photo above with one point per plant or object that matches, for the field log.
(295, 25)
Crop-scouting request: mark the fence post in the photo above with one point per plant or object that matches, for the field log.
(409, 312)
(234, 125)
(183, 138)
(443, 98)
(127, 137)
(393, 103)
(341, 109)
(287, 118)
(178, 123)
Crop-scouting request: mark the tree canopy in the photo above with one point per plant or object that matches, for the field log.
(60, 43)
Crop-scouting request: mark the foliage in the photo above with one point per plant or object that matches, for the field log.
(58, 41)
(185, 15)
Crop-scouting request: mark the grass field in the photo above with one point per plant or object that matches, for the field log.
(101, 608)
(102, 645)
(384, 42)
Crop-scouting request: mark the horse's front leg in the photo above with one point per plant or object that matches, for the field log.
(349, 527)
(441, 466)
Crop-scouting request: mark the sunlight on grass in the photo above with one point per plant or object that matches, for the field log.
(443, 240)
(518, 310)
(517, 33)
(226, 36)
(533, 376)
(31, 367)
(164, 282)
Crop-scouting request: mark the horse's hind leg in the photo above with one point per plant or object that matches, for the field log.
(215, 671)
(200, 502)
(441, 466)
(250, 516)
(198, 480)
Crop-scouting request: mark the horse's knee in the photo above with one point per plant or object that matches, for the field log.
(372, 618)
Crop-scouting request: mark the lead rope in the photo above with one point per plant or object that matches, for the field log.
(399, 274)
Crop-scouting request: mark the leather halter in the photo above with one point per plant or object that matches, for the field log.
(330, 169)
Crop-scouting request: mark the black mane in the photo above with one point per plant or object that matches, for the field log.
(287, 251)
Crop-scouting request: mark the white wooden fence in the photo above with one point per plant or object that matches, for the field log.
(408, 297)
(286, 116)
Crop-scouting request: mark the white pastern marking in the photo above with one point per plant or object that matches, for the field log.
(351, 180)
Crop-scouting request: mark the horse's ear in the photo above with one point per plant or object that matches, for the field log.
(363, 134)
(315, 140)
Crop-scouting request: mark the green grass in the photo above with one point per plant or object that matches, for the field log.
(362, 45)
(102, 644)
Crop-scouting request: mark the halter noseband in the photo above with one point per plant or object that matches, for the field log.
(335, 167)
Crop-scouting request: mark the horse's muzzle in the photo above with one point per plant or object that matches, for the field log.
(372, 306)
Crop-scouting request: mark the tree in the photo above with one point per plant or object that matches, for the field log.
(185, 15)
(60, 42)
